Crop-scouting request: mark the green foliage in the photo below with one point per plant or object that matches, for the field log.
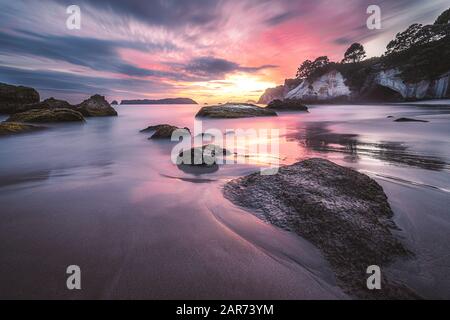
(310, 68)
(355, 53)
(444, 18)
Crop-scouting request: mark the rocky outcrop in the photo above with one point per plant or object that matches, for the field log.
(10, 128)
(234, 110)
(163, 131)
(12, 97)
(279, 92)
(287, 105)
(344, 213)
(96, 106)
(47, 115)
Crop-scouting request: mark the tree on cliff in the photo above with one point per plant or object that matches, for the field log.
(355, 53)
(444, 18)
(310, 68)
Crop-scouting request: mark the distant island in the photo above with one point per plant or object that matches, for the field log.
(160, 101)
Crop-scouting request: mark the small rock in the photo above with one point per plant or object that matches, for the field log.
(202, 156)
(114, 103)
(162, 131)
(409, 120)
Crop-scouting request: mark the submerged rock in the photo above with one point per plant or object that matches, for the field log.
(47, 115)
(96, 106)
(344, 213)
(234, 110)
(409, 120)
(9, 128)
(13, 97)
(162, 131)
(287, 105)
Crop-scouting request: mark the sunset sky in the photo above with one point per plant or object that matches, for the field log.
(208, 50)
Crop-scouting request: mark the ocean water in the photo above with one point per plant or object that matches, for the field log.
(102, 196)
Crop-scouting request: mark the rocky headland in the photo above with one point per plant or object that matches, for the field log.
(160, 101)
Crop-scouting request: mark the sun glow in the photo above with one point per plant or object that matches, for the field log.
(236, 87)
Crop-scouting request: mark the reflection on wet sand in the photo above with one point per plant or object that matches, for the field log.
(318, 137)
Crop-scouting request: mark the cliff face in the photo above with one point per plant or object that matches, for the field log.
(279, 92)
(330, 86)
(425, 89)
(381, 85)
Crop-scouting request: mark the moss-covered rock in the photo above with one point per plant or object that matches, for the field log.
(47, 115)
(10, 128)
(235, 110)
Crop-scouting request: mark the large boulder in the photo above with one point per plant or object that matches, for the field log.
(163, 131)
(12, 97)
(10, 128)
(235, 110)
(287, 105)
(96, 106)
(47, 115)
(341, 211)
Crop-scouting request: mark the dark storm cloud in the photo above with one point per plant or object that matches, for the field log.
(159, 12)
(211, 67)
(342, 41)
(100, 55)
(280, 18)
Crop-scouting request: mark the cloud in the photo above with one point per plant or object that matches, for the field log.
(97, 54)
(215, 68)
(282, 17)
